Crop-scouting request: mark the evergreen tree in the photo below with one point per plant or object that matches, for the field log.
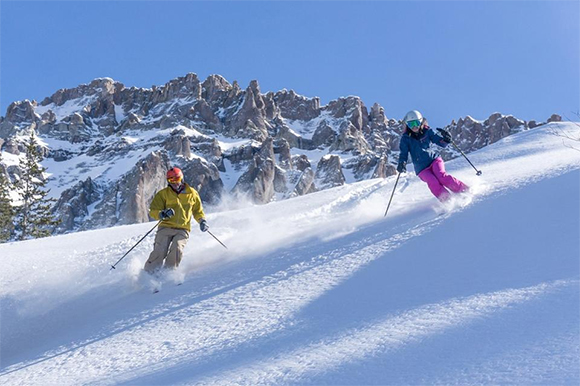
(6, 208)
(34, 218)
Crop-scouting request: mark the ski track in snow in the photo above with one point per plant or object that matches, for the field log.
(180, 335)
(388, 335)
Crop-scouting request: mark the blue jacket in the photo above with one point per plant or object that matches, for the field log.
(419, 145)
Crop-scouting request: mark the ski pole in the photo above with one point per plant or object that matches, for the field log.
(463, 154)
(217, 239)
(392, 194)
(146, 234)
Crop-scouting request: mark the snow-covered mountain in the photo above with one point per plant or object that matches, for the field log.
(107, 146)
(322, 289)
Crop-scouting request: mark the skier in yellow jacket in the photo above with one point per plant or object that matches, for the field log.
(174, 205)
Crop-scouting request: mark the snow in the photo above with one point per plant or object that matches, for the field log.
(306, 129)
(119, 113)
(130, 140)
(83, 166)
(322, 289)
(227, 144)
(231, 177)
(66, 109)
(9, 159)
(469, 117)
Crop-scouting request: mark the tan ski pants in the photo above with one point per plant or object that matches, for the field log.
(169, 245)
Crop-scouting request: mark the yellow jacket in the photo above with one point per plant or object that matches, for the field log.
(185, 204)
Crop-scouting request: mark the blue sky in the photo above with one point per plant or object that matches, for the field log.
(447, 59)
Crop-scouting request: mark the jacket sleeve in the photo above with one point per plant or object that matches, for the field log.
(436, 138)
(157, 205)
(403, 149)
(198, 214)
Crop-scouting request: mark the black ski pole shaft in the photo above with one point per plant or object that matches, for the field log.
(218, 240)
(392, 194)
(478, 172)
(146, 234)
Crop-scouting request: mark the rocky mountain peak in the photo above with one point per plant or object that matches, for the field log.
(214, 87)
(23, 111)
(100, 88)
(187, 86)
(377, 115)
(296, 107)
(254, 87)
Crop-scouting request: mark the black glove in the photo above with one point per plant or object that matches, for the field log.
(203, 225)
(402, 167)
(167, 213)
(445, 134)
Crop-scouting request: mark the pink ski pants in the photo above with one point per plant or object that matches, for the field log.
(438, 180)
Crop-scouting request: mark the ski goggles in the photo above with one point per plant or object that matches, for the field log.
(414, 123)
(174, 180)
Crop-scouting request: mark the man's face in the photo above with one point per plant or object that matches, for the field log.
(175, 183)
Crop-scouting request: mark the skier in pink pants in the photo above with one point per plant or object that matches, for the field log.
(429, 166)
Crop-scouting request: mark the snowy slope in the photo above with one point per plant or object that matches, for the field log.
(321, 289)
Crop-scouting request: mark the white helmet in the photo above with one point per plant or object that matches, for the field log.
(412, 117)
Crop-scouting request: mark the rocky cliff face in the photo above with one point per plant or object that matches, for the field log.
(107, 146)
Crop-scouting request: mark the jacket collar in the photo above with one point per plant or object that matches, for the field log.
(181, 189)
(418, 134)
